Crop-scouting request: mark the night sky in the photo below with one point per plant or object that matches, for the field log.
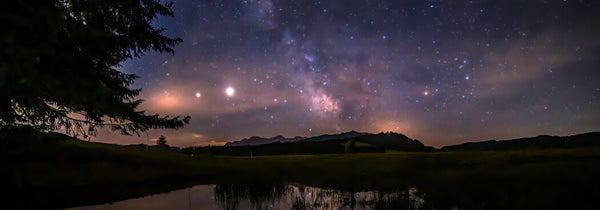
(442, 72)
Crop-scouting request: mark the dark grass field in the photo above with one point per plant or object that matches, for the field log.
(49, 170)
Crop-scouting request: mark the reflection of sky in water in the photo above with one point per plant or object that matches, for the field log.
(295, 197)
(198, 197)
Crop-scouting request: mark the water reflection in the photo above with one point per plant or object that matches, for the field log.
(196, 197)
(249, 196)
(270, 196)
(304, 197)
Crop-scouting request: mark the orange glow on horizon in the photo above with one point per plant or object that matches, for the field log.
(211, 143)
(167, 102)
(392, 126)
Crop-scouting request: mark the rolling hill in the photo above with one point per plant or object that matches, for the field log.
(542, 141)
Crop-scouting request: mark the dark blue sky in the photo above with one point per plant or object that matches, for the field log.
(443, 72)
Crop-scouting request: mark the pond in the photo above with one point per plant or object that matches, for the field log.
(276, 196)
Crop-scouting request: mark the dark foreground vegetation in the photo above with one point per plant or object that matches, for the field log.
(50, 170)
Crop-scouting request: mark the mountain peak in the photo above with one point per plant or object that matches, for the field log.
(256, 140)
(346, 135)
(277, 137)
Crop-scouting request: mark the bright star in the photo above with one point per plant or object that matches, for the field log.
(229, 91)
(198, 94)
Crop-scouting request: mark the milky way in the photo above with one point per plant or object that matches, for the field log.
(443, 72)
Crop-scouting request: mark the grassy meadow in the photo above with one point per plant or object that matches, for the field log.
(58, 171)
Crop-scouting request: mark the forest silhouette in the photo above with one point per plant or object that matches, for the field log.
(59, 65)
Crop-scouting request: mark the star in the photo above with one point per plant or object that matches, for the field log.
(229, 91)
(377, 65)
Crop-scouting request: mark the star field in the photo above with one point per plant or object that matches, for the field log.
(443, 72)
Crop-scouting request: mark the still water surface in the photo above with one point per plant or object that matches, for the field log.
(284, 196)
